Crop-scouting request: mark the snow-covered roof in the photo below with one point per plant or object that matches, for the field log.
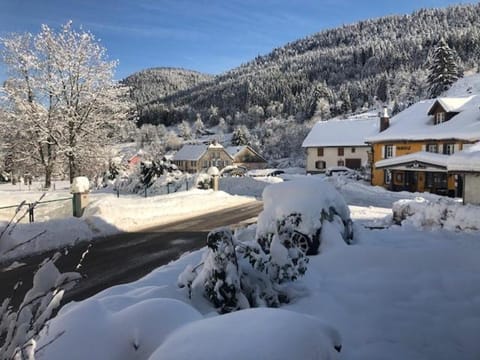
(190, 152)
(467, 160)
(420, 156)
(336, 132)
(414, 123)
(453, 104)
(234, 150)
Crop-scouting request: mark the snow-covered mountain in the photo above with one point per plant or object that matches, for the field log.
(351, 67)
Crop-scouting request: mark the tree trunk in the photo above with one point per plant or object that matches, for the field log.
(48, 176)
(72, 168)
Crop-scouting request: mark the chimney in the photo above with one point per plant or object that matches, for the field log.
(384, 119)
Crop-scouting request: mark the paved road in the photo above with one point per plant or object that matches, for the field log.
(128, 256)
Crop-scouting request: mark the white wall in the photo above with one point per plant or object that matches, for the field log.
(330, 156)
(472, 189)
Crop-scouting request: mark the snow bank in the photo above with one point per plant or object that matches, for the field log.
(443, 213)
(99, 330)
(252, 334)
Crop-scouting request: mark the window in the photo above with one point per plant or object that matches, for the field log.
(399, 178)
(388, 151)
(439, 118)
(340, 151)
(320, 151)
(448, 149)
(192, 163)
(320, 164)
(205, 163)
(353, 150)
(433, 148)
(341, 163)
(387, 177)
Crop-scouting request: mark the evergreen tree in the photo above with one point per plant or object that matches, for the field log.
(382, 89)
(240, 136)
(444, 70)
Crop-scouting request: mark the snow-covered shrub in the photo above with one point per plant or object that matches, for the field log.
(442, 213)
(253, 334)
(19, 328)
(157, 177)
(304, 205)
(237, 275)
(220, 274)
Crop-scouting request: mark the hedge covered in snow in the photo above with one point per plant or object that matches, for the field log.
(441, 213)
(238, 272)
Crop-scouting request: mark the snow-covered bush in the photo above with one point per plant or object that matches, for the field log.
(442, 213)
(19, 328)
(237, 275)
(240, 273)
(158, 177)
(304, 205)
(253, 334)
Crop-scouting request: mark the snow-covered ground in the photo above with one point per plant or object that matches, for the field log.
(401, 292)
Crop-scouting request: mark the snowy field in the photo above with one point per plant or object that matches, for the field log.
(399, 292)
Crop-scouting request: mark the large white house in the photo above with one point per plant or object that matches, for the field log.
(340, 143)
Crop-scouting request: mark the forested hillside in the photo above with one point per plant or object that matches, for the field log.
(150, 85)
(329, 73)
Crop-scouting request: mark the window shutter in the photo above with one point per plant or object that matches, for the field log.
(456, 148)
(383, 152)
(394, 150)
(424, 147)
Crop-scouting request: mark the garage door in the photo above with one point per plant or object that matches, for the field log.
(353, 163)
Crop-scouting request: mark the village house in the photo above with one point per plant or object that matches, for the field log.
(245, 156)
(339, 143)
(412, 149)
(197, 158)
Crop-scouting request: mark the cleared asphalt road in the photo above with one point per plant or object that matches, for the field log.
(126, 257)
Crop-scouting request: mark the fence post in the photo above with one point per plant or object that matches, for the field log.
(145, 191)
(168, 188)
(118, 192)
(31, 208)
(186, 183)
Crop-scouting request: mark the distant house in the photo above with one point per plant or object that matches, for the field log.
(339, 143)
(197, 158)
(466, 163)
(246, 157)
(412, 149)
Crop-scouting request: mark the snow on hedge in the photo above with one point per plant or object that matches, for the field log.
(252, 334)
(308, 197)
(442, 213)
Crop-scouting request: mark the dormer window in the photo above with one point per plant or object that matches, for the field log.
(439, 118)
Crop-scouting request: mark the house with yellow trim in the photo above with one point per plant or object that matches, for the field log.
(412, 149)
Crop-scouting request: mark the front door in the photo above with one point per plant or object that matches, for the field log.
(411, 181)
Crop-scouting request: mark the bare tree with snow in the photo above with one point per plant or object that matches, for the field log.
(62, 96)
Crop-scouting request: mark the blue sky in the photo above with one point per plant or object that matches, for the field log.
(205, 35)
